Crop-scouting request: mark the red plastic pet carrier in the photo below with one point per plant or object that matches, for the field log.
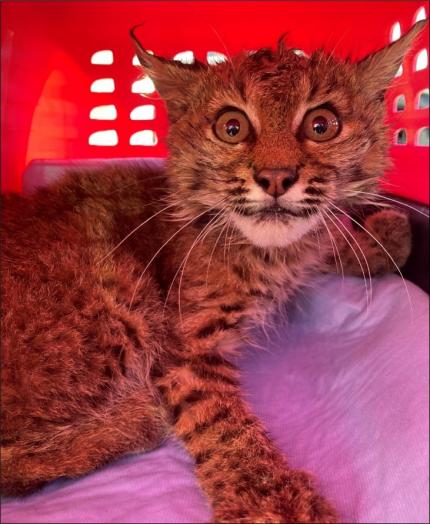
(70, 87)
(342, 386)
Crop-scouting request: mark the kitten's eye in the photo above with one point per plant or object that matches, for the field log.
(232, 127)
(320, 125)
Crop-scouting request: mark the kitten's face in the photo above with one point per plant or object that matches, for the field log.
(275, 139)
(250, 143)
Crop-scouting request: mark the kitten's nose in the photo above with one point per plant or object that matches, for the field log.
(276, 182)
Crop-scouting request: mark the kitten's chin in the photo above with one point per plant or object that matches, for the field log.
(274, 233)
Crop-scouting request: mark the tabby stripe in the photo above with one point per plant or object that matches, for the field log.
(244, 211)
(238, 191)
(263, 255)
(196, 395)
(213, 374)
(260, 294)
(234, 179)
(264, 279)
(240, 202)
(322, 164)
(203, 456)
(200, 428)
(314, 191)
(176, 361)
(219, 485)
(317, 179)
(268, 259)
(312, 92)
(242, 272)
(230, 308)
(311, 201)
(232, 433)
(218, 325)
(196, 185)
(214, 360)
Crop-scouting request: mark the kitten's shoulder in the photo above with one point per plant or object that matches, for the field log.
(111, 181)
(115, 187)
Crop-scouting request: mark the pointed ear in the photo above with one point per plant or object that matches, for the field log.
(376, 71)
(173, 80)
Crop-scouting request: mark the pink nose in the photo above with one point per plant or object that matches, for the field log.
(276, 182)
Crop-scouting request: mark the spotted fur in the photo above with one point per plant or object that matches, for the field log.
(111, 340)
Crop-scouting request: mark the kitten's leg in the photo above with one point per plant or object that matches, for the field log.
(241, 471)
(53, 450)
(390, 227)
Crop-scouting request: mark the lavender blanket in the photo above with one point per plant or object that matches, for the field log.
(343, 392)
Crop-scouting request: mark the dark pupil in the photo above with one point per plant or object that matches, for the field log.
(320, 125)
(232, 127)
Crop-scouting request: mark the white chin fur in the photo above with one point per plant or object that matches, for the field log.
(274, 233)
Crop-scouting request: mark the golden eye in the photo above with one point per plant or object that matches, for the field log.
(320, 125)
(232, 127)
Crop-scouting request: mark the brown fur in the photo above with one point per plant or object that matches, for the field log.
(109, 345)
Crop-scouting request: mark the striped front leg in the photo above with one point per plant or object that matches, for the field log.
(240, 470)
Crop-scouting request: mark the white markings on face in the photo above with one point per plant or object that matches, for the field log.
(295, 194)
(274, 233)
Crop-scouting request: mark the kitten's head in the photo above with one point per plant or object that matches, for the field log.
(275, 138)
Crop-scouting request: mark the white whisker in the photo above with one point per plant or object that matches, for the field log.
(394, 200)
(368, 293)
(334, 247)
(160, 249)
(201, 236)
(213, 250)
(385, 251)
(133, 231)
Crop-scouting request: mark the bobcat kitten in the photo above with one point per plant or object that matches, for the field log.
(125, 291)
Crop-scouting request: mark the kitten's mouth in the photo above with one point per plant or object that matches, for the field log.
(277, 212)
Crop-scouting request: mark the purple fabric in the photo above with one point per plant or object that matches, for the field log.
(343, 392)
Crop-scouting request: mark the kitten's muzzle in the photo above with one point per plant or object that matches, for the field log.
(276, 182)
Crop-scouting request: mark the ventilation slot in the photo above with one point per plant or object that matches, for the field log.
(146, 112)
(104, 138)
(143, 138)
(400, 137)
(103, 85)
(399, 103)
(423, 99)
(422, 138)
(144, 86)
(421, 60)
(420, 15)
(186, 57)
(214, 58)
(396, 32)
(103, 113)
(104, 57)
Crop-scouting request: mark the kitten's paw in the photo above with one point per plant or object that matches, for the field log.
(392, 228)
(294, 500)
(303, 503)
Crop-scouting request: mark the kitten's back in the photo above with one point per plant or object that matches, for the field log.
(72, 351)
